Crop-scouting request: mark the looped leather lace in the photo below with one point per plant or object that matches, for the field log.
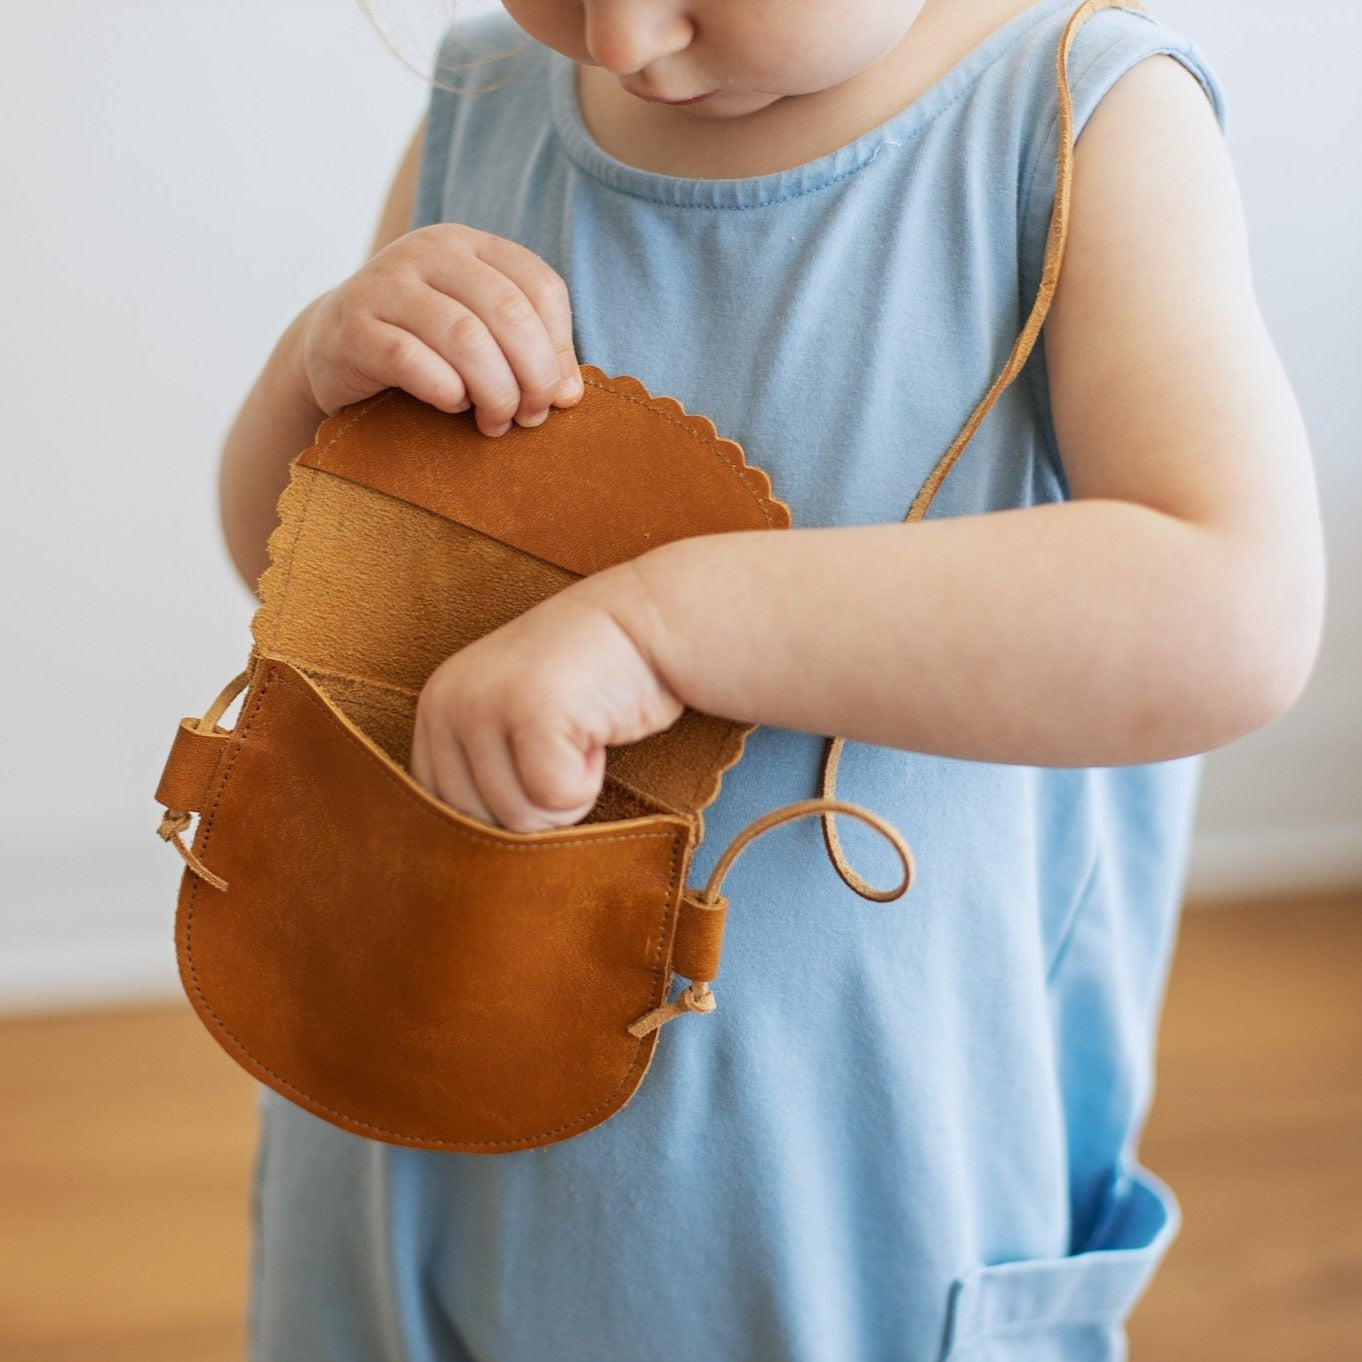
(172, 825)
(225, 696)
(804, 808)
(698, 996)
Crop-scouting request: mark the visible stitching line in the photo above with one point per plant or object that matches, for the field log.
(378, 401)
(745, 207)
(1114, 1316)
(271, 676)
(388, 770)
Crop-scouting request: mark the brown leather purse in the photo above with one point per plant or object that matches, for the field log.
(395, 967)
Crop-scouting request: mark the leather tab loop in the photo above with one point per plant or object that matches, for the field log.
(189, 767)
(699, 937)
(183, 787)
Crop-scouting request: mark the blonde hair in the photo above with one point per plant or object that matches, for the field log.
(367, 9)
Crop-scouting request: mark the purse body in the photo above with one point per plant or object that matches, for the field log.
(392, 965)
(403, 971)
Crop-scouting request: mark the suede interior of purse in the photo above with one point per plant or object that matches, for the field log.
(373, 582)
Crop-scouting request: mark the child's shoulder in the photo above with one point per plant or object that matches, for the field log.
(1106, 44)
(1109, 43)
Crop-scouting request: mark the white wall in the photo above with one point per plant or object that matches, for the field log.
(179, 177)
(1282, 808)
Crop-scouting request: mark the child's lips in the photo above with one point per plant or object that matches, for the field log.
(653, 99)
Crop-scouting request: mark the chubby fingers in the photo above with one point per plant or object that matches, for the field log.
(500, 318)
(526, 780)
(489, 337)
(443, 769)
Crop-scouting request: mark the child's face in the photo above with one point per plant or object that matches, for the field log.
(742, 55)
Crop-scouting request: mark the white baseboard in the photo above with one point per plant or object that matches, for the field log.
(72, 976)
(1265, 862)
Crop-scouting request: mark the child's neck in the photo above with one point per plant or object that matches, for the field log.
(796, 129)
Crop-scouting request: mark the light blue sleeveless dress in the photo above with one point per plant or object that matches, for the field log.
(908, 1132)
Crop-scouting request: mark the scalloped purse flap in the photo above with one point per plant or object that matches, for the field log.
(406, 533)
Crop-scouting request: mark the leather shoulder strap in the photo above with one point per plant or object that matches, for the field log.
(1054, 255)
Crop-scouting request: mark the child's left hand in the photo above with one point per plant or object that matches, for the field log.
(512, 729)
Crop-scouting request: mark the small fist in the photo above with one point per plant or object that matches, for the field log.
(512, 729)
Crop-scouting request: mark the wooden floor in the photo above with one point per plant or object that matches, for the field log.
(126, 1142)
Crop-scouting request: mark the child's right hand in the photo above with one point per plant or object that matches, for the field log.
(455, 316)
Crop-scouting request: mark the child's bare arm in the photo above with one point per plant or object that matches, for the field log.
(1173, 605)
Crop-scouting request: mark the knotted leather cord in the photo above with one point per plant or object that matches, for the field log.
(698, 996)
(177, 820)
(1054, 255)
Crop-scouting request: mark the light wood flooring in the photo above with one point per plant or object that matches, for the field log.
(126, 1141)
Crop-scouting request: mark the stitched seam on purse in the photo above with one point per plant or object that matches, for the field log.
(314, 670)
(273, 675)
(470, 833)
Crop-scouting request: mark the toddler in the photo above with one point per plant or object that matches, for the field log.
(909, 1132)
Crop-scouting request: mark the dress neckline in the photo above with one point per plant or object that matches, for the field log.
(757, 191)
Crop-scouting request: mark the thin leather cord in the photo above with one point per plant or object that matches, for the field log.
(172, 825)
(803, 808)
(225, 696)
(1054, 255)
(698, 996)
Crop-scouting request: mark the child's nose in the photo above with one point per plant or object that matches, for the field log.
(624, 36)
